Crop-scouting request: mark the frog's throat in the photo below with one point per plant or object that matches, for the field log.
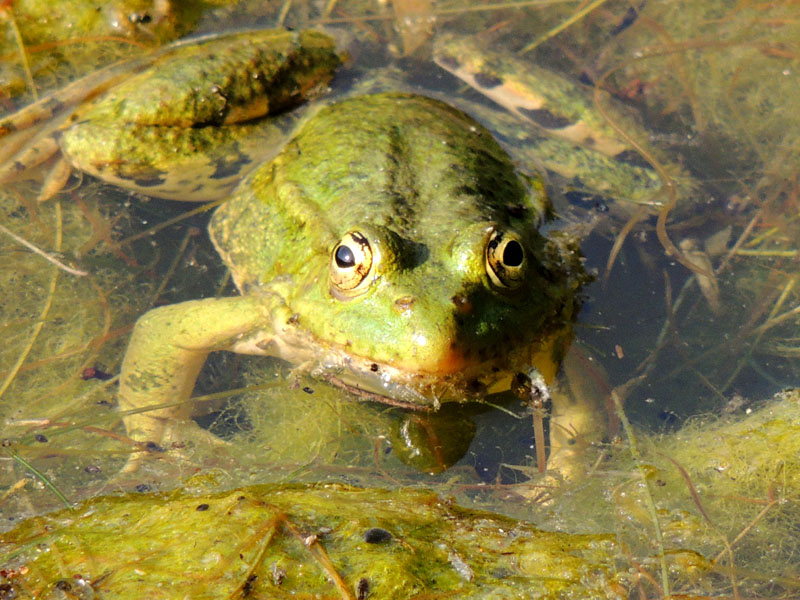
(368, 379)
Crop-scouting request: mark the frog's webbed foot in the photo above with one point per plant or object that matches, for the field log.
(33, 153)
(30, 139)
(575, 425)
(577, 431)
(179, 440)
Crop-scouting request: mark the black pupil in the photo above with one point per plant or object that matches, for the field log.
(344, 257)
(512, 254)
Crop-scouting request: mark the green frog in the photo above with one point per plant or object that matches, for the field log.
(391, 247)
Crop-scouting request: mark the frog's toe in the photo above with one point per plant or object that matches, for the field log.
(180, 442)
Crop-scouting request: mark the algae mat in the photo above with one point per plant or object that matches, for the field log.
(318, 541)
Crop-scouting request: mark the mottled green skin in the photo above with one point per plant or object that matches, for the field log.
(428, 184)
(180, 128)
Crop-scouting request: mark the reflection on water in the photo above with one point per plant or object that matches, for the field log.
(694, 310)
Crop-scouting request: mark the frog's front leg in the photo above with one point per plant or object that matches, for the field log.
(167, 350)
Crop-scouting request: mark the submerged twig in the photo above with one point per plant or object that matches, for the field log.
(48, 257)
(317, 550)
(23, 52)
(651, 505)
(637, 216)
(156, 228)
(51, 292)
(41, 477)
(573, 18)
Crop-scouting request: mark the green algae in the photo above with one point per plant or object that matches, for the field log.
(296, 541)
(726, 492)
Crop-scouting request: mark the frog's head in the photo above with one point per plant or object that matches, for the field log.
(404, 249)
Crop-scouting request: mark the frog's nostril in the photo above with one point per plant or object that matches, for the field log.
(404, 303)
(462, 303)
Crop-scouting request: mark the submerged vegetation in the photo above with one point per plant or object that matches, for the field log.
(708, 508)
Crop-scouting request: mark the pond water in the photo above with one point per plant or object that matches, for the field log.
(691, 320)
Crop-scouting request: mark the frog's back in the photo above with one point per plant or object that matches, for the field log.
(411, 164)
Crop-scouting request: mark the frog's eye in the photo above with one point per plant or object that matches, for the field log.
(351, 262)
(505, 259)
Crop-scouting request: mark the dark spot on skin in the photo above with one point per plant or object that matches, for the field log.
(202, 507)
(146, 182)
(92, 469)
(142, 488)
(230, 164)
(374, 367)
(376, 535)
(18, 166)
(362, 589)
(53, 105)
(633, 158)
(308, 390)
(448, 61)
(487, 80)
(545, 118)
(41, 438)
(589, 141)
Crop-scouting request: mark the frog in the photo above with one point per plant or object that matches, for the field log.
(391, 247)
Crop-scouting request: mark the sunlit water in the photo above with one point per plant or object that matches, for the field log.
(647, 328)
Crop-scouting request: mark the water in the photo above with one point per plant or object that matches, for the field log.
(716, 94)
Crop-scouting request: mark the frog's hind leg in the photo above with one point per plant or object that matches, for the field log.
(29, 137)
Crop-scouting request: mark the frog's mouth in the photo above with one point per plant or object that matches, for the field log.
(455, 379)
(414, 390)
